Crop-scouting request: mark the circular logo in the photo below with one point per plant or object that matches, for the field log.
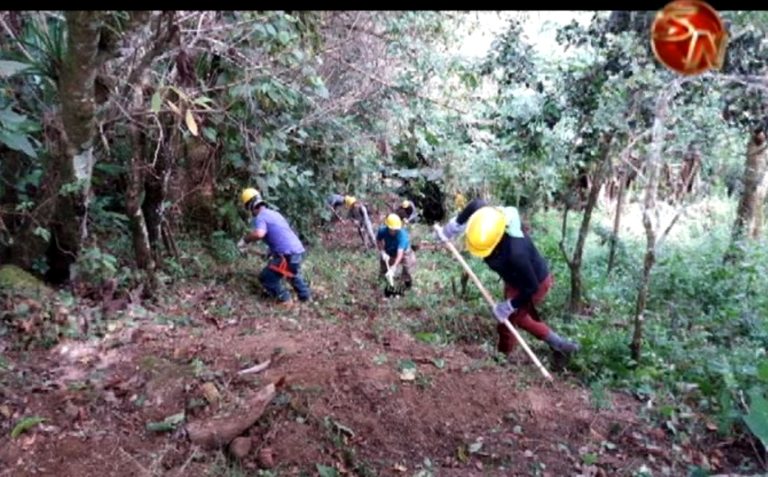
(688, 37)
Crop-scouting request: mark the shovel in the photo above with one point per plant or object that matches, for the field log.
(490, 301)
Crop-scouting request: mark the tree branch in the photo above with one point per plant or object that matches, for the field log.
(398, 89)
(628, 148)
(563, 232)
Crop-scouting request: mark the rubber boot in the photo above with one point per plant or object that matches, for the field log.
(560, 344)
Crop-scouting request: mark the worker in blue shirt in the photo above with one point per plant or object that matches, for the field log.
(394, 245)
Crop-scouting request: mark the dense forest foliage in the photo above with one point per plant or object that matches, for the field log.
(126, 138)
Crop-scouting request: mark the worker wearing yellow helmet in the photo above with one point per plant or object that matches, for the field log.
(358, 212)
(286, 250)
(496, 235)
(407, 211)
(459, 201)
(335, 202)
(394, 246)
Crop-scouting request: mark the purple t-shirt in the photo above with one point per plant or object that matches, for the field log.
(280, 237)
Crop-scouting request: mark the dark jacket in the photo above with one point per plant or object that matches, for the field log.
(406, 213)
(516, 260)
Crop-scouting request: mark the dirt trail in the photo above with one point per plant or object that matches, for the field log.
(345, 403)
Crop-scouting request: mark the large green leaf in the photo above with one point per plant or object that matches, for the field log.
(757, 417)
(168, 424)
(10, 118)
(210, 134)
(18, 142)
(283, 37)
(10, 68)
(25, 424)
(762, 371)
(157, 102)
(430, 138)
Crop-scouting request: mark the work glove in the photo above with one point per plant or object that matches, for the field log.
(241, 245)
(390, 275)
(502, 310)
(452, 229)
(385, 257)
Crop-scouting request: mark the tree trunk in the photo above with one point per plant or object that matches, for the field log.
(616, 223)
(575, 304)
(642, 295)
(653, 164)
(757, 223)
(748, 214)
(576, 300)
(754, 171)
(141, 245)
(145, 212)
(199, 212)
(157, 174)
(74, 168)
(156, 185)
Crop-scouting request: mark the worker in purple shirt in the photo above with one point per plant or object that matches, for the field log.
(286, 250)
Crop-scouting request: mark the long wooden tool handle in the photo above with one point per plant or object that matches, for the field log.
(490, 300)
(333, 209)
(368, 225)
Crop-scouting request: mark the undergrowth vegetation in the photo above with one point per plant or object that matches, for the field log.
(126, 138)
(705, 320)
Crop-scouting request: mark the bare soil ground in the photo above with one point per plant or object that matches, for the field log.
(344, 402)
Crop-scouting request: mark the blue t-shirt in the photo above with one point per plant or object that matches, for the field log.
(393, 243)
(280, 238)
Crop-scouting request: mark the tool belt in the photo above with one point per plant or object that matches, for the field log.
(282, 266)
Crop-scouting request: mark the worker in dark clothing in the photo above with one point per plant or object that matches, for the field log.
(358, 212)
(335, 202)
(495, 235)
(407, 212)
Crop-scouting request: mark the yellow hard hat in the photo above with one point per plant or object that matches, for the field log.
(349, 200)
(485, 229)
(393, 222)
(459, 201)
(249, 194)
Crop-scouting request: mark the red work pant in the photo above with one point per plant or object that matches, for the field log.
(521, 318)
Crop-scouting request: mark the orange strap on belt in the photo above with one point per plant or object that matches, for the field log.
(282, 269)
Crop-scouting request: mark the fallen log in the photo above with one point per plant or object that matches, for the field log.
(220, 431)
